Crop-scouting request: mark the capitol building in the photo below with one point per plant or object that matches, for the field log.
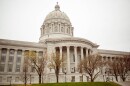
(57, 34)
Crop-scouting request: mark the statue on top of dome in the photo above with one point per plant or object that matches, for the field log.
(57, 7)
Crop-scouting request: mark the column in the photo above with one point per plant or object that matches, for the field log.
(14, 62)
(0, 53)
(6, 62)
(81, 53)
(75, 54)
(22, 61)
(61, 58)
(68, 59)
(86, 52)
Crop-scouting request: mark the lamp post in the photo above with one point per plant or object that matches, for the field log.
(65, 74)
(10, 80)
(30, 78)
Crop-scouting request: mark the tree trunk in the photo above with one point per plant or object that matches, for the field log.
(92, 80)
(123, 79)
(57, 78)
(116, 78)
(39, 78)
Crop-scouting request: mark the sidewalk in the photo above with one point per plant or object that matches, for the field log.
(127, 83)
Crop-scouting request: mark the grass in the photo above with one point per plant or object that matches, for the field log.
(75, 84)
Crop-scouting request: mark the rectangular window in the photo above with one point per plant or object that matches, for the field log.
(32, 69)
(16, 79)
(18, 59)
(0, 78)
(19, 52)
(73, 58)
(79, 57)
(9, 79)
(73, 79)
(10, 67)
(17, 68)
(40, 53)
(2, 67)
(11, 58)
(4, 51)
(73, 70)
(3, 58)
(81, 78)
(11, 51)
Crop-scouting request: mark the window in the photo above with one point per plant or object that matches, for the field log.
(11, 58)
(81, 78)
(79, 57)
(62, 29)
(16, 79)
(40, 53)
(0, 78)
(4, 51)
(2, 67)
(17, 68)
(73, 58)
(32, 69)
(56, 30)
(3, 57)
(10, 67)
(73, 70)
(19, 52)
(18, 59)
(73, 79)
(9, 79)
(11, 51)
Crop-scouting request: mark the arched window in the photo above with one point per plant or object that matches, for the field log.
(56, 29)
(62, 29)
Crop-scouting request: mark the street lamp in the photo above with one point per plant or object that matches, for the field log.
(65, 74)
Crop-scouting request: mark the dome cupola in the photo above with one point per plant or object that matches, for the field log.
(56, 24)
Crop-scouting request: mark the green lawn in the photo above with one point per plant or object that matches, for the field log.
(80, 84)
(76, 84)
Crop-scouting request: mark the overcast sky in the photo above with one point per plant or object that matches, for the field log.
(104, 22)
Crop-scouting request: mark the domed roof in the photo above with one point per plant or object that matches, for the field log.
(57, 14)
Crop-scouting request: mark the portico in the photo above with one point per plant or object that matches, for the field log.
(72, 55)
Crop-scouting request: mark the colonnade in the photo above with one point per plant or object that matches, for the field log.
(56, 27)
(6, 55)
(77, 50)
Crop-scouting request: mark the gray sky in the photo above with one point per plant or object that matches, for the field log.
(104, 22)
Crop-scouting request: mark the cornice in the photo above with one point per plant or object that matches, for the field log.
(71, 39)
(21, 43)
(113, 52)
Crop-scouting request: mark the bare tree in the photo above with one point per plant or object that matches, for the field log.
(113, 65)
(120, 67)
(39, 63)
(24, 76)
(91, 65)
(124, 67)
(56, 64)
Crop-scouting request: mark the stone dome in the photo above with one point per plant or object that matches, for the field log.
(57, 15)
(56, 25)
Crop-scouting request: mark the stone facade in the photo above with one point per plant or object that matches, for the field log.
(56, 34)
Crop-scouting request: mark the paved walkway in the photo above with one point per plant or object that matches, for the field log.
(124, 83)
